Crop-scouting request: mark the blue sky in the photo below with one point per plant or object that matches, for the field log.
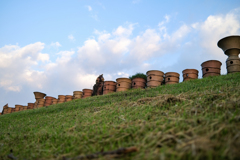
(59, 46)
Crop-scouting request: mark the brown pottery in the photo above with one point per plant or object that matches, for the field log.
(138, 83)
(69, 98)
(48, 101)
(211, 68)
(189, 74)
(39, 95)
(30, 106)
(123, 84)
(231, 47)
(54, 101)
(87, 93)
(154, 78)
(108, 91)
(109, 87)
(171, 78)
(77, 94)
(61, 99)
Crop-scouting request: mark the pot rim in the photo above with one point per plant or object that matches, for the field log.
(221, 42)
(123, 78)
(190, 70)
(211, 61)
(154, 70)
(172, 73)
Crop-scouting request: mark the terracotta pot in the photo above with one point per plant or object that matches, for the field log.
(211, 68)
(171, 78)
(30, 106)
(39, 95)
(48, 97)
(67, 100)
(40, 105)
(69, 96)
(77, 92)
(152, 84)
(108, 91)
(138, 83)
(155, 72)
(154, 78)
(231, 47)
(48, 101)
(77, 96)
(87, 93)
(61, 97)
(109, 87)
(122, 89)
(0, 113)
(123, 84)
(9, 110)
(54, 101)
(24, 108)
(111, 83)
(189, 74)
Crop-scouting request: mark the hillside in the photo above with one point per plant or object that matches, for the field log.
(198, 119)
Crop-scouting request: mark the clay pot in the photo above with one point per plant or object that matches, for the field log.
(151, 84)
(171, 78)
(24, 108)
(211, 68)
(30, 106)
(61, 99)
(154, 78)
(123, 84)
(108, 91)
(231, 47)
(189, 74)
(48, 101)
(39, 95)
(77, 94)
(109, 87)
(138, 83)
(0, 113)
(69, 98)
(87, 93)
(9, 110)
(54, 101)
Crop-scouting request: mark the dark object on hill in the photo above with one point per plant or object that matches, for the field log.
(98, 87)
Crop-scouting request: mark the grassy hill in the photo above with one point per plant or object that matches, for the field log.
(198, 119)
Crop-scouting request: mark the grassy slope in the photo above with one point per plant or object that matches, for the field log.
(199, 119)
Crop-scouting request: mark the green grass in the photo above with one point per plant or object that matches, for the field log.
(198, 119)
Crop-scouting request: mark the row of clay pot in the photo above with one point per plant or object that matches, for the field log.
(154, 79)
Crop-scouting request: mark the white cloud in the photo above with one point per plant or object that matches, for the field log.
(89, 8)
(16, 65)
(71, 37)
(56, 44)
